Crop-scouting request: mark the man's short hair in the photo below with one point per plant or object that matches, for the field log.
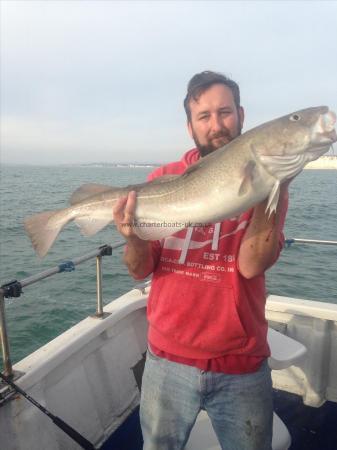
(202, 81)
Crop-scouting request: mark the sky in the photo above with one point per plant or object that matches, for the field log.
(104, 81)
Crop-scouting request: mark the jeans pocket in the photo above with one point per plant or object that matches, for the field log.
(152, 355)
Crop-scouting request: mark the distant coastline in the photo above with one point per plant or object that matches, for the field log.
(118, 165)
(326, 162)
(94, 164)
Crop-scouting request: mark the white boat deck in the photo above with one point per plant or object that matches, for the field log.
(93, 364)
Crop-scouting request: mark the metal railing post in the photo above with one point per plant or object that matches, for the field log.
(8, 370)
(99, 307)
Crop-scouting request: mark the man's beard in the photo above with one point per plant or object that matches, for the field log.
(224, 136)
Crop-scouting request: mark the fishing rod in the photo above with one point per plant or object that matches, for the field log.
(66, 428)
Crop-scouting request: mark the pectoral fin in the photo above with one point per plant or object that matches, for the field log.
(247, 178)
(273, 198)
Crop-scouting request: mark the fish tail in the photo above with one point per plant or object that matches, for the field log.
(44, 228)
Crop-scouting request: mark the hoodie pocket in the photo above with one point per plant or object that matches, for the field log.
(200, 315)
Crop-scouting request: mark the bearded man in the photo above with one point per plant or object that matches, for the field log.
(207, 341)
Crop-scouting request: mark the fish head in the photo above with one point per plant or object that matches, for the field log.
(287, 144)
(323, 133)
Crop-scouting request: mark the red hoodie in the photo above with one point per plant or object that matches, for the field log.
(201, 310)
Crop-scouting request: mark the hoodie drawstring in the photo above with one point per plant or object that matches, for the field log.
(216, 233)
(186, 244)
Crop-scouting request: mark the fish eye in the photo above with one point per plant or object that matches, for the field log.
(295, 117)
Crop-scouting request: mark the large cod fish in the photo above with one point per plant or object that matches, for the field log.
(221, 185)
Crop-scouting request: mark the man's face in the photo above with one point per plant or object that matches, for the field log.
(215, 120)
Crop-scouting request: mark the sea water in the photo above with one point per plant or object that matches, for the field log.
(51, 306)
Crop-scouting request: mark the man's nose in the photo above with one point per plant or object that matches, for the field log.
(216, 123)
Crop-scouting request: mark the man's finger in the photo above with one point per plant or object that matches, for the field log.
(118, 209)
(130, 207)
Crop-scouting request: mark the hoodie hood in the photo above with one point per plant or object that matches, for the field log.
(190, 157)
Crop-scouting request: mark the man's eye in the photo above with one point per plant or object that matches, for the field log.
(203, 117)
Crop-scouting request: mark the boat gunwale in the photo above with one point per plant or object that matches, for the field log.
(46, 358)
(302, 307)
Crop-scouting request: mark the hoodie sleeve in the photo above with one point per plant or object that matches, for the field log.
(155, 174)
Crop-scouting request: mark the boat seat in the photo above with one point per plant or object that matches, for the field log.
(285, 351)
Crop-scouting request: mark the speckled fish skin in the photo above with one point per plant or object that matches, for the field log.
(221, 185)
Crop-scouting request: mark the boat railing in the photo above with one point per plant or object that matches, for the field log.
(14, 288)
(288, 242)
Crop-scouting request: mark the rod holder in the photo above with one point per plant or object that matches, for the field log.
(99, 306)
(104, 250)
(8, 369)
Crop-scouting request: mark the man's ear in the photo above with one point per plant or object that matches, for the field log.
(241, 115)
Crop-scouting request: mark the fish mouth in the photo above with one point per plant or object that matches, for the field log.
(324, 132)
(332, 135)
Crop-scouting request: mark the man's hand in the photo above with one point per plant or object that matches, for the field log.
(124, 213)
(138, 253)
(260, 245)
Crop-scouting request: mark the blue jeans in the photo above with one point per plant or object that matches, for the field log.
(239, 406)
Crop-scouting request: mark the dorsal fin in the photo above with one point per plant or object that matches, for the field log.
(88, 190)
